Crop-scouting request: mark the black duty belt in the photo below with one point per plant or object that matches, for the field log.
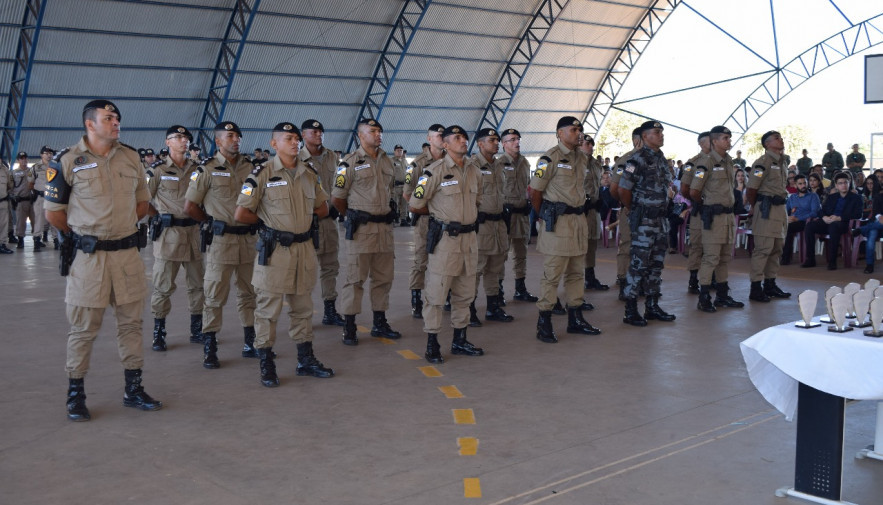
(7, 197)
(573, 210)
(240, 230)
(186, 222)
(402, 183)
(484, 216)
(454, 229)
(774, 200)
(286, 238)
(89, 244)
(39, 193)
(520, 210)
(378, 218)
(719, 209)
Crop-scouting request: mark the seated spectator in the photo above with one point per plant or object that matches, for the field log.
(820, 171)
(816, 186)
(872, 229)
(606, 199)
(790, 186)
(869, 189)
(740, 207)
(680, 209)
(839, 208)
(800, 206)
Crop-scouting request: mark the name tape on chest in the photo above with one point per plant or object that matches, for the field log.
(718, 169)
(277, 183)
(486, 172)
(449, 183)
(565, 166)
(221, 174)
(508, 167)
(775, 167)
(85, 167)
(169, 178)
(362, 167)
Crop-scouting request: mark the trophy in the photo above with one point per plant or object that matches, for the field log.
(878, 292)
(871, 285)
(850, 290)
(840, 305)
(861, 302)
(807, 302)
(876, 317)
(829, 294)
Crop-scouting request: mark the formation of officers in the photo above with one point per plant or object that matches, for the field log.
(270, 230)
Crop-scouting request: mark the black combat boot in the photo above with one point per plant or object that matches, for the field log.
(757, 293)
(632, 316)
(10, 236)
(248, 349)
(76, 401)
(6, 250)
(331, 317)
(653, 311)
(473, 316)
(723, 298)
(38, 244)
(268, 367)
(159, 335)
(586, 306)
(545, 332)
(381, 327)
(307, 364)
(349, 330)
(135, 396)
(195, 328)
(433, 350)
(462, 346)
(705, 304)
(576, 323)
(521, 292)
(210, 351)
(55, 242)
(500, 294)
(417, 303)
(45, 236)
(495, 312)
(622, 296)
(693, 283)
(592, 282)
(558, 309)
(21, 243)
(773, 291)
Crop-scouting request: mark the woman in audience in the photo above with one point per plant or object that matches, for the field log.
(816, 186)
(872, 229)
(740, 207)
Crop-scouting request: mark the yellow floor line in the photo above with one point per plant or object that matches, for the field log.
(468, 446)
(362, 329)
(471, 488)
(451, 391)
(463, 416)
(430, 371)
(386, 341)
(408, 354)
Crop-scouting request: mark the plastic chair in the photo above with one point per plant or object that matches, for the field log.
(742, 222)
(606, 234)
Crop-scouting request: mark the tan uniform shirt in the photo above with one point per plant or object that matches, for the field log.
(620, 166)
(690, 170)
(415, 170)
(559, 175)
(366, 184)
(168, 185)
(326, 167)
(6, 183)
(516, 177)
(769, 175)
(38, 172)
(592, 187)
(714, 179)
(400, 166)
(492, 237)
(21, 183)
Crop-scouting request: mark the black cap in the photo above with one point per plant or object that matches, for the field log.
(721, 129)
(103, 104)
(486, 132)
(47, 149)
(649, 125)
(588, 138)
(286, 127)
(175, 129)
(228, 126)
(703, 135)
(766, 136)
(437, 128)
(426, 144)
(163, 151)
(148, 151)
(142, 151)
(398, 146)
(312, 124)
(194, 147)
(371, 122)
(569, 121)
(453, 130)
(511, 131)
(22, 154)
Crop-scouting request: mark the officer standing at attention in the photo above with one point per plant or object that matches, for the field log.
(644, 189)
(38, 174)
(713, 186)
(175, 237)
(400, 166)
(194, 153)
(558, 196)
(449, 191)
(149, 158)
(832, 161)
(739, 161)
(625, 235)
(765, 191)
(694, 256)
(593, 193)
(284, 194)
(324, 162)
(22, 192)
(855, 161)
(516, 207)
(493, 240)
(96, 194)
(230, 244)
(363, 193)
(432, 151)
(6, 185)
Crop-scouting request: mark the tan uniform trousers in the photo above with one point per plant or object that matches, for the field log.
(417, 277)
(329, 264)
(717, 250)
(4, 222)
(266, 317)
(164, 273)
(24, 212)
(555, 267)
(491, 267)
(594, 235)
(399, 198)
(591, 252)
(765, 258)
(462, 289)
(624, 252)
(360, 267)
(518, 245)
(694, 259)
(217, 288)
(85, 323)
(41, 224)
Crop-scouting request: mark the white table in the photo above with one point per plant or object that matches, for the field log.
(786, 364)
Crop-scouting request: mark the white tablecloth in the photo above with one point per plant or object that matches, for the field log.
(842, 364)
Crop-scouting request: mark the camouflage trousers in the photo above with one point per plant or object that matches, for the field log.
(649, 244)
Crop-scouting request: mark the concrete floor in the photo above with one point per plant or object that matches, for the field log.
(663, 415)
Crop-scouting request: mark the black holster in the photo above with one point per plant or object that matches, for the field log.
(205, 234)
(433, 235)
(314, 231)
(156, 226)
(68, 252)
(265, 245)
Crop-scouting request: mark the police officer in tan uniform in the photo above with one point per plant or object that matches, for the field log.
(400, 167)
(38, 173)
(22, 194)
(175, 237)
(592, 185)
(284, 193)
(449, 191)
(558, 196)
(767, 195)
(324, 161)
(433, 151)
(5, 206)
(363, 193)
(694, 256)
(516, 207)
(623, 251)
(149, 158)
(211, 200)
(493, 240)
(713, 185)
(96, 193)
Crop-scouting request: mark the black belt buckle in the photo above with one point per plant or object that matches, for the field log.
(218, 228)
(285, 238)
(88, 243)
(453, 228)
(166, 220)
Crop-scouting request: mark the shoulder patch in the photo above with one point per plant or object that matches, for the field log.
(630, 167)
(422, 180)
(688, 167)
(61, 153)
(700, 172)
(195, 174)
(759, 171)
(419, 192)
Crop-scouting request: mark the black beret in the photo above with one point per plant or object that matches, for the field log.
(398, 146)
(511, 131)
(703, 135)
(22, 154)
(179, 129)
(312, 124)
(437, 128)
(286, 127)
(486, 132)
(588, 138)
(766, 136)
(228, 126)
(194, 147)
(636, 132)
(453, 130)
(148, 151)
(721, 129)
(371, 122)
(569, 121)
(164, 151)
(103, 104)
(649, 125)
(47, 149)
(142, 151)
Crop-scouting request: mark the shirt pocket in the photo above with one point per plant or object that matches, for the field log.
(88, 183)
(223, 185)
(280, 200)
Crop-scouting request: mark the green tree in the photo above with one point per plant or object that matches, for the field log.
(615, 137)
(797, 138)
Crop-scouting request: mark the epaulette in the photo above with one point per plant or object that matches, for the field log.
(200, 169)
(427, 173)
(309, 164)
(157, 163)
(130, 147)
(61, 153)
(257, 169)
(149, 173)
(759, 167)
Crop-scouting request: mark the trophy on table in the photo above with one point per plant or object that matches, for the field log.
(829, 295)
(871, 285)
(876, 317)
(807, 302)
(840, 305)
(861, 302)
(850, 290)
(878, 292)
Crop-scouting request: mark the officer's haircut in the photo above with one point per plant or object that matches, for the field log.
(715, 136)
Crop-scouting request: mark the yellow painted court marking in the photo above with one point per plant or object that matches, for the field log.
(451, 391)
(362, 329)
(386, 341)
(408, 354)
(468, 446)
(472, 488)
(430, 371)
(463, 416)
